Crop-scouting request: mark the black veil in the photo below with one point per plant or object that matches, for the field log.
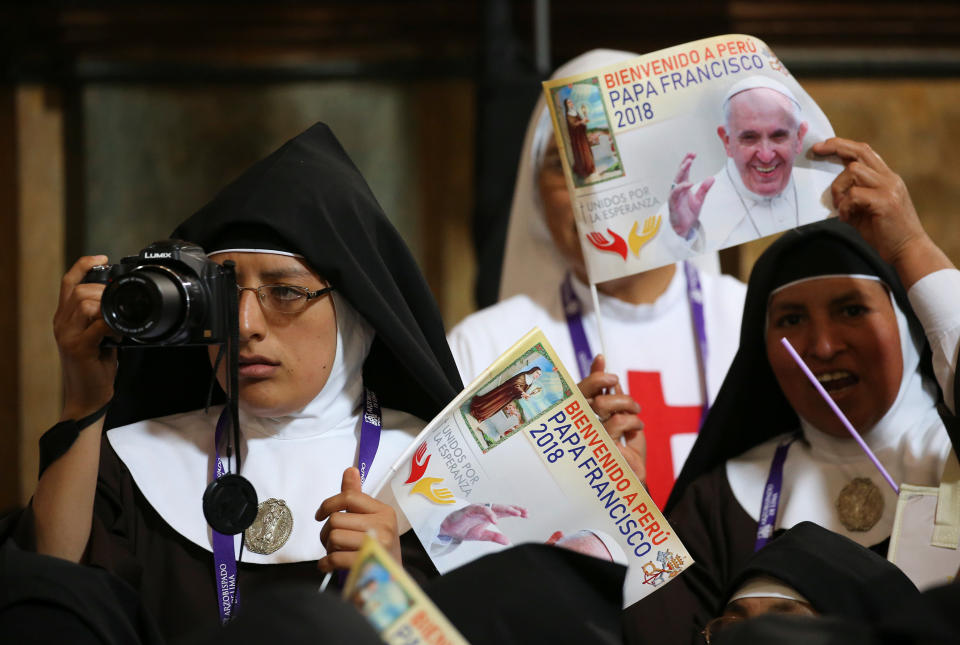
(836, 575)
(750, 407)
(309, 197)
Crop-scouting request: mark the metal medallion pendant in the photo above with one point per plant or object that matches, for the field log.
(271, 529)
(860, 505)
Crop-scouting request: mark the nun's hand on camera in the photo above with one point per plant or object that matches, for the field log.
(351, 514)
(874, 200)
(618, 413)
(88, 369)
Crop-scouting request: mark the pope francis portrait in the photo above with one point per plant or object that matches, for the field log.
(759, 191)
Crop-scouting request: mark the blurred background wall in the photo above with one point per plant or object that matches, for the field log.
(117, 120)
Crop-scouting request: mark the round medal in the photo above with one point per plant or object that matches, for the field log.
(271, 529)
(860, 505)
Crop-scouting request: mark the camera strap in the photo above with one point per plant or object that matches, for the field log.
(225, 495)
(55, 442)
(230, 501)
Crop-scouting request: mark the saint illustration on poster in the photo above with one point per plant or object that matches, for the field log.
(587, 137)
(514, 398)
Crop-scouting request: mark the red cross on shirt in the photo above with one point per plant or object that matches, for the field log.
(660, 422)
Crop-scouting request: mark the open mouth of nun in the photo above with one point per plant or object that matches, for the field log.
(837, 380)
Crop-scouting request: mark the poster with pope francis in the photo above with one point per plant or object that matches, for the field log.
(688, 150)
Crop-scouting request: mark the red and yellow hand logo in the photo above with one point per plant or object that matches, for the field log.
(651, 226)
(424, 485)
(616, 245)
(418, 465)
(436, 495)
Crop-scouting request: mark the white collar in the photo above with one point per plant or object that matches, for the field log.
(170, 458)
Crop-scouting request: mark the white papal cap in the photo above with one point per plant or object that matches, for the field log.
(755, 82)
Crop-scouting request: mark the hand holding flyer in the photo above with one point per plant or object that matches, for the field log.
(470, 485)
(711, 138)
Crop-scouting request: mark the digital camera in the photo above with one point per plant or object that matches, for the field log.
(169, 294)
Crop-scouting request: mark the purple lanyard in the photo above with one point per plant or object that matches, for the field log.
(224, 556)
(370, 425)
(771, 495)
(695, 298)
(573, 310)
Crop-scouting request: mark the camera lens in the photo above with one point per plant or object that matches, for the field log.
(144, 305)
(133, 305)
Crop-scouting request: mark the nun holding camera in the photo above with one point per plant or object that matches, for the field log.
(340, 355)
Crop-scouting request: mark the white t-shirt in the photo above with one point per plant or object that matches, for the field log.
(651, 348)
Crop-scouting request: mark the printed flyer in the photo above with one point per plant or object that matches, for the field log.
(393, 603)
(688, 150)
(519, 456)
(925, 539)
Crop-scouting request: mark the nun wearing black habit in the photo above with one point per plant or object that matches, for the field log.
(871, 305)
(365, 325)
(810, 570)
(811, 585)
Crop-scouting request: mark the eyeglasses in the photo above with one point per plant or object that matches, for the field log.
(717, 625)
(285, 298)
(721, 623)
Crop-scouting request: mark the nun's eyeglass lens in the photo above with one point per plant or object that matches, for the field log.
(717, 625)
(284, 298)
